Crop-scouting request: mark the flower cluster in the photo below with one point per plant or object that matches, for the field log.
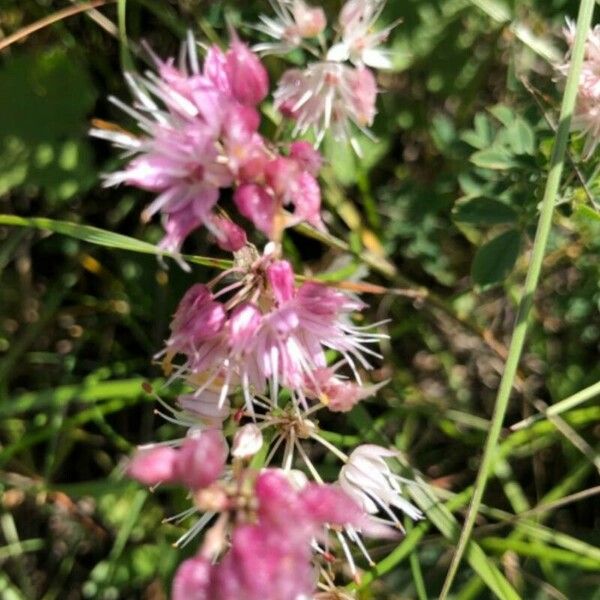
(338, 89)
(263, 331)
(260, 351)
(199, 135)
(264, 529)
(586, 118)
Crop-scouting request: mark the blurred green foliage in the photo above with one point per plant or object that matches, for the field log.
(448, 195)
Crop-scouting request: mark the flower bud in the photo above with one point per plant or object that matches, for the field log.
(201, 459)
(364, 95)
(310, 22)
(243, 324)
(247, 76)
(307, 157)
(153, 466)
(256, 204)
(229, 236)
(248, 440)
(281, 278)
(192, 580)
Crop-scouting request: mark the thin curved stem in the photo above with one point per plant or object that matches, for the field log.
(522, 321)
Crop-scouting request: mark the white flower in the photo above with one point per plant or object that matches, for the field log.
(360, 42)
(368, 479)
(294, 22)
(248, 440)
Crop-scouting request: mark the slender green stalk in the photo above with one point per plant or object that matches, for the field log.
(126, 60)
(560, 407)
(415, 567)
(522, 321)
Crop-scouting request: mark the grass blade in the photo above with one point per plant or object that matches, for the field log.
(101, 237)
(539, 248)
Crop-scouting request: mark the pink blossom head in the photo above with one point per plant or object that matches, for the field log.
(264, 564)
(278, 501)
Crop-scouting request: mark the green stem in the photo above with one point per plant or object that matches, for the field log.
(125, 54)
(560, 407)
(539, 247)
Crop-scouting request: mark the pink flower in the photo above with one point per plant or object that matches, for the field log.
(247, 76)
(284, 182)
(327, 95)
(271, 558)
(229, 236)
(263, 564)
(153, 466)
(201, 459)
(294, 21)
(278, 337)
(309, 159)
(192, 580)
(199, 318)
(198, 129)
(259, 206)
(331, 505)
(339, 395)
(199, 462)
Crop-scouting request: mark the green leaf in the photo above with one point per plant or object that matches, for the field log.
(495, 259)
(523, 137)
(482, 135)
(504, 114)
(587, 213)
(484, 211)
(495, 157)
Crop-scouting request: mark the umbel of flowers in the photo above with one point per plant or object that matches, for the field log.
(252, 345)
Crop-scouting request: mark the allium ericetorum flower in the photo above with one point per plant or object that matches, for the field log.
(259, 350)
